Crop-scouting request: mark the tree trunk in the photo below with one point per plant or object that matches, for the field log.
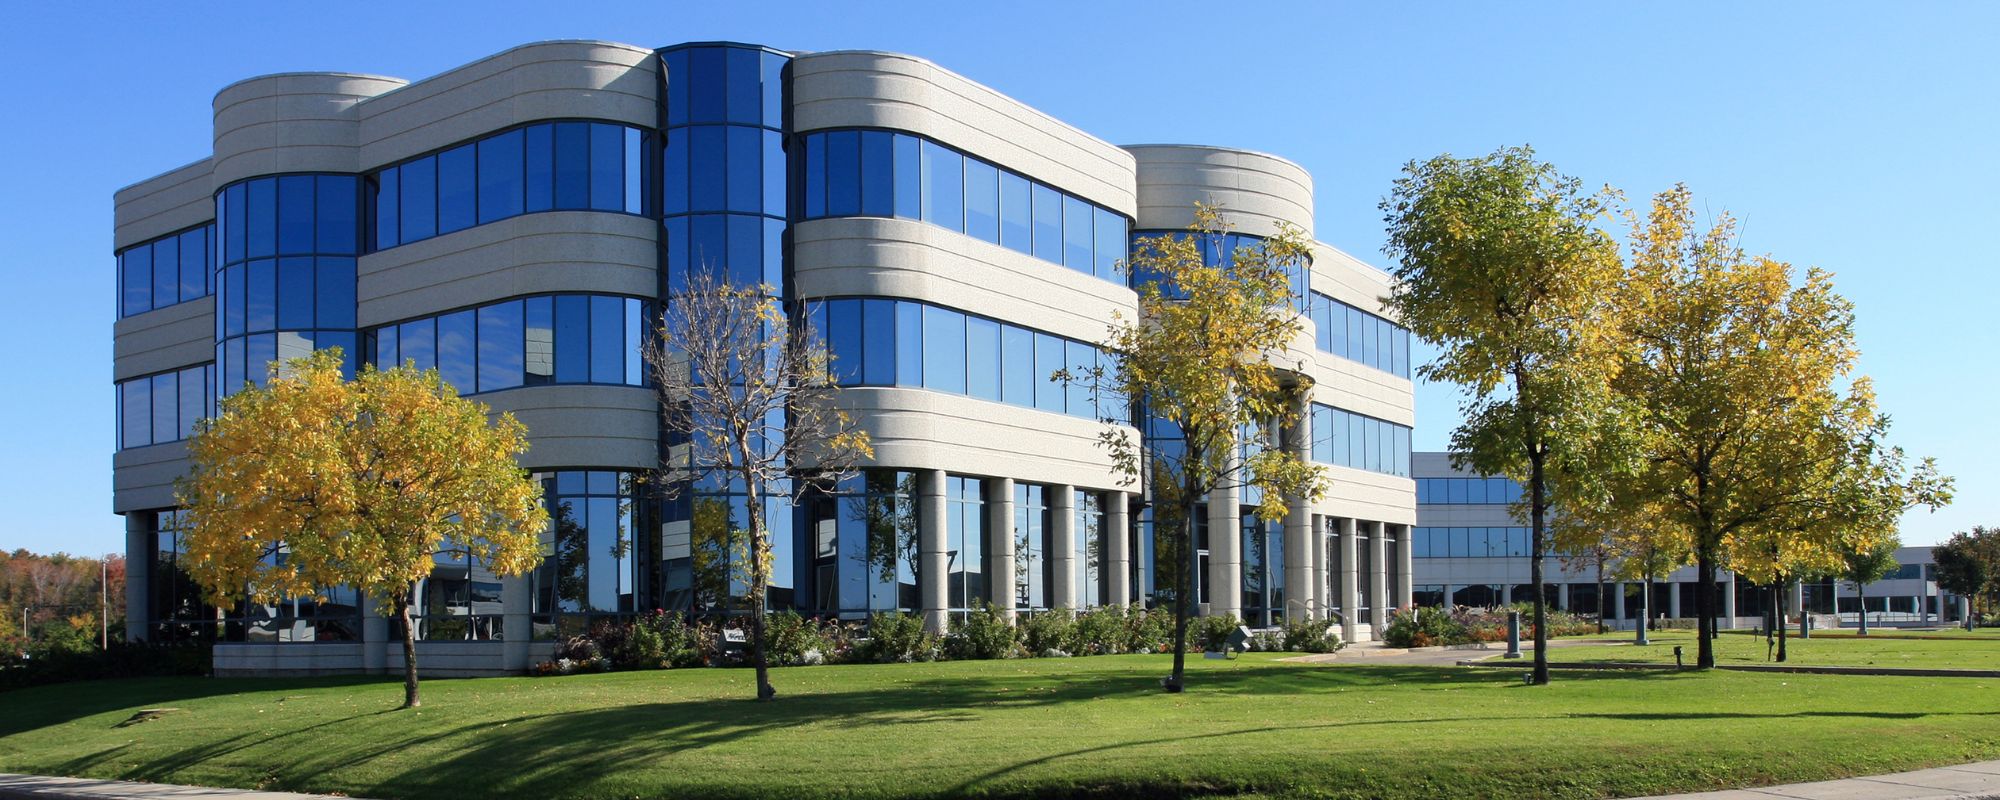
(1184, 595)
(410, 698)
(1600, 595)
(1861, 596)
(759, 587)
(1784, 625)
(1537, 512)
(1645, 625)
(1704, 608)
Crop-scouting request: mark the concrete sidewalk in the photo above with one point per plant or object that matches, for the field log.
(1979, 781)
(34, 787)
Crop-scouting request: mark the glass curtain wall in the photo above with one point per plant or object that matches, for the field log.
(169, 270)
(590, 556)
(1034, 571)
(965, 543)
(531, 341)
(1090, 562)
(865, 534)
(285, 273)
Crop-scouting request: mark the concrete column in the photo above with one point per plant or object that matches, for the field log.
(1298, 560)
(1348, 595)
(1117, 548)
(1729, 604)
(1562, 596)
(1406, 566)
(1000, 542)
(1448, 589)
(139, 559)
(375, 638)
(1062, 540)
(931, 555)
(1378, 584)
(516, 626)
(1674, 601)
(1506, 594)
(1225, 554)
(1313, 594)
(1799, 597)
(1618, 598)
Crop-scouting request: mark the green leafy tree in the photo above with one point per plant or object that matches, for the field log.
(1968, 565)
(1201, 357)
(1864, 565)
(1754, 436)
(313, 481)
(750, 397)
(1500, 263)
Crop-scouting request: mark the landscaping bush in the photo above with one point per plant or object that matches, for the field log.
(791, 640)
(1212, 633)
(1050, 634)
(1312, 636)
(1100, 632)
(1424, 626)
(982, 634)
(1148, 631)
(643, 647)
(37, 663)
(896, 637)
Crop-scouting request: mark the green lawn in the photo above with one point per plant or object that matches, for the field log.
(1076, 727)
(1936, 652)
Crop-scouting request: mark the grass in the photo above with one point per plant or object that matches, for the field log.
(1935, 652)
(1045, 727)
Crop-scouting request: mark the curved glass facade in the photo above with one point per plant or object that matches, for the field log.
(592, 550)
(285, 275)
(885, 342)
(1507, 542)
(528, 341)
(166, 271)
(1359, 336)
(876, 173)
(1219, 249)
(161, 408)
(1346, 439)
(723, 167)
(543, 166)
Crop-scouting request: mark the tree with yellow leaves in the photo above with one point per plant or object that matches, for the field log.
(1200, 358)
(1501, 263)
(1749, 441)
(314, 481)
(747, 401)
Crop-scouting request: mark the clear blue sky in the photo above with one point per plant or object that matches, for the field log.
(1857, 137)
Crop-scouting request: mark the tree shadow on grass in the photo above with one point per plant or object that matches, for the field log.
(43, 706)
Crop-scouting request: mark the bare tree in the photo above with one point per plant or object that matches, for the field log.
(747, 398)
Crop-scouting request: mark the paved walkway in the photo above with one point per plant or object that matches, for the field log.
(1979, 781)
(1376, 653)
(33, 787)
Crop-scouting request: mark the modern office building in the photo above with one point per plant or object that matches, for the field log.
(1471, 551)
(517, 222)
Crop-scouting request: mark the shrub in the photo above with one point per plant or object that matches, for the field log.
(35, 665)
(1148, 631)
(1212, 633)
(791, 640)
(643, 647)
(897, 637)
(1100, 631)
(982, 634)
(1422, 627)
(1050, 634)
(1312, 636)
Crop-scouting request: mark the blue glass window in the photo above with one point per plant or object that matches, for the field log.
(261, 296)
(295, 293)
(878, 336)
(234, 218)
(456, 350)
(138, 281)
(419, 199)
(909, 177)
(335, 215)
(878, 173)
(982, 201)
(1049, 357)
(263, 219)
(982, 358)
(774, 173)
(843, 173)
(501, 354)
(388, 208)
(500, 173)
(539, 350)
(607, 335)
(1048, 223)
(538, 168)
(708, 187)
(295, 214)
(944, 350)
(1017, 366)
(944, 187)
(909, 345)
(607, 167)
(572, 334)
(1110, 242)
(706, 85)
(457, 189)
(333, 293)
(1076, 235)
(1015, 221)
(1081, 359)
(572, 179)
(844, 341)
(815, 169)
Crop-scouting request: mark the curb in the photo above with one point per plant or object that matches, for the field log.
(1640, 666)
